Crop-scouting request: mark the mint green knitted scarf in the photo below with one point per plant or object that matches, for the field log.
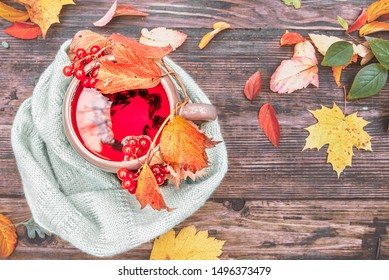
(82, 204)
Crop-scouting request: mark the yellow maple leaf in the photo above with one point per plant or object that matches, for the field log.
(44, 12)
(8, 237)
(187, 245)
(12, 14)
(340, 132)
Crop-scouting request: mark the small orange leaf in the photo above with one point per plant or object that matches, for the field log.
(128, 11)
(269, 123)
(24, 30)
(359, 22)
(11, 14)
(377, 9)
(148, 191)
(183, 146)
(253, 86)
(291, 38)
(218, 27)
(8, 237)
(337, 70)
(375, 26)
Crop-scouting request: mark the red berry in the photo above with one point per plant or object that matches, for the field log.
(81, 53)
(160, 179)
(67, 71)
(86, 82)
(144, 142)
(137, 150)
(93, 82)
(165, 170)
(132, 190)
(78, 65)
(132, 142)
(94, 49)
(88, 59)
(95, 71)
(123, 174)
(132, 175)
(156, 170)
(80, 74)
(127, 184)
(127, 149)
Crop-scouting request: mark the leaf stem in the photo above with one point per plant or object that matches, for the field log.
(345, 100)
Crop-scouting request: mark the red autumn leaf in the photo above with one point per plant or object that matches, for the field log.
(359, 22)
(148, 191)
(269, 123)
(253, 86)
(140, 49)
(24, 30)
(377, 9)
(291, 38)
(375, 26)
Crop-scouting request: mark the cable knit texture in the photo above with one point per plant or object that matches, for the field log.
(73, 199)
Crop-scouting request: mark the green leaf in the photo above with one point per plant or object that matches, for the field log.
(295, 3)
(380, 49)
(368, 81)
(33, 229)
(338, 54)
(343, 23)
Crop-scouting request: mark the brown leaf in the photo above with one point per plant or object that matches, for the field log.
(253, 86)
(24, 30)
(218, 27)
(291, 38)
(86, 39)
(377, 9)
(375, 26)
(11, 14)
(8, 237)
(359, 22)
(269, 123)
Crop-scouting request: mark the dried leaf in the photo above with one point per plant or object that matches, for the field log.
(86, 39)
(128, 11)
(343, 23)
(218, 27)
(148, 191)
(176, 178)
(183, 146)
(269, 123)
(340, 132)
(187, 245)
(359, 22)
(253, 86)
(337, 70)
(305, 49)
(364, 51)
(375, 26)
(44, 12)
(11, 14)
(162, 37)
(296, 3)
(8, 237)
(291, 38)
(24, 30)
(107, 17)
(377, 9)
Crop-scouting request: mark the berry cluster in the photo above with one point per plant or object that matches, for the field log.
(130, 179)
(135, 146)
(81, 58)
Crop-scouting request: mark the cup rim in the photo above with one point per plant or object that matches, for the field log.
(107, 165)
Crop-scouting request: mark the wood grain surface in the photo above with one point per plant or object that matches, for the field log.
(273, 203)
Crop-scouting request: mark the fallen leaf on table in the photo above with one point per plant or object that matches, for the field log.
(364, 51)
(24, 30)
(291, 38)
(11, 14)
(305, 49)
(187, 245)
(8, 237)
(218, 27)
(343, 23)
(380, 49)
(86, 39)
(340, 132)
(162, 37)
(269, 123)
(375, 26)
(323, 42)
(296, 3)
(183, 145)
(148, 191)
(338, 54)
(115, 11)
(359, 22)
(253, 86)
(337, 70)
(44, 12)
(377, 9)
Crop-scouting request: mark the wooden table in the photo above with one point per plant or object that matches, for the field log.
(273, 203)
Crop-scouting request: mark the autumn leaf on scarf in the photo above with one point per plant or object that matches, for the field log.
(359, 22)
(148, 191)
(377, 9)
(8, 237)
(253, 86)
(162, 37)
(291, 38)
(44, 12)
(187, 245)
(217, 28)
(340, 132)
(24, 30)
(85, 39)
(269, 123)
(115, 11)
(373, 27)
(183, 145)
(11, 14)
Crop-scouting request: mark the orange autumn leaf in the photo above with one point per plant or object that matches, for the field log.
(377, 9)
(8, 237)
(183, 146)
(337, 70)
(269, 123)
(11, 14)
(253, 86)
(24, 30)
(217, 28)
(291, 38)
(148, 191)
(359, 22)
(375, 26)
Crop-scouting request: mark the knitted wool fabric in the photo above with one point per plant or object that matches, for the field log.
(73, 199)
